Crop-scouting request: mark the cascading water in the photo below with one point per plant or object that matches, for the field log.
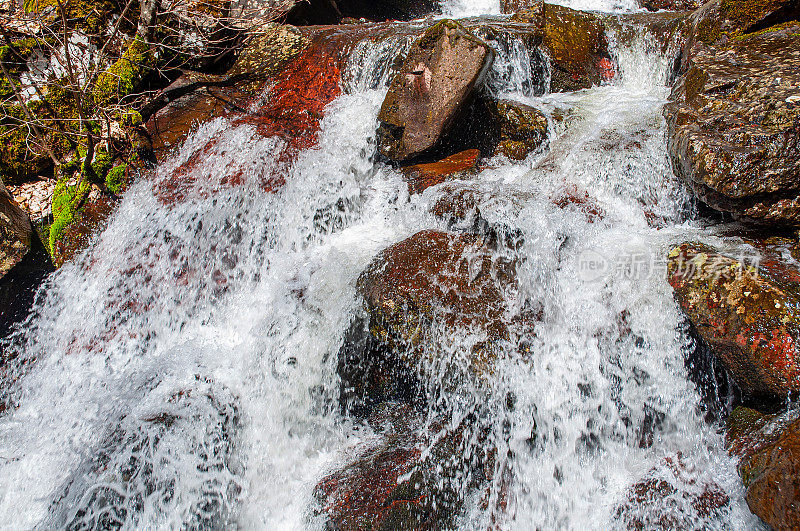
(182, 372)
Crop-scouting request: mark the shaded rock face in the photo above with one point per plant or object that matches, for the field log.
(422, 176)
(671, 497)
(747, 315)
(413, 478)
(523, 129)
(24, 262)
(436, 81)
(429, 284)
(768, 448)
(578, 47)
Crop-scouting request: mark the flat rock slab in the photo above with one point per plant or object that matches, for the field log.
(436, 81)
(423, 176)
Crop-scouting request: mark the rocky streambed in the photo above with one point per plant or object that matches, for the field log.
(536, 268)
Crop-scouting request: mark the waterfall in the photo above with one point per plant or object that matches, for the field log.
(182, 371)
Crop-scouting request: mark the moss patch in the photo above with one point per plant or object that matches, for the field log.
(123, 77)
(67, 200)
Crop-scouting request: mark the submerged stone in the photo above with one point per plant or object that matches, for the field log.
(672, 496)
(415, 478)
(436, 81)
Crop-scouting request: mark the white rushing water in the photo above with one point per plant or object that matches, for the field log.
(182, 372)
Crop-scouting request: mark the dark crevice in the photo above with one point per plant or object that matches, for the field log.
(788, 13)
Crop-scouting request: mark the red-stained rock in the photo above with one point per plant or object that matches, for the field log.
(670, 5)
(768, 448)
(422, 176)
(671, 497)
(436, 81)
(410, 480)
(292, 110)
(748, 315)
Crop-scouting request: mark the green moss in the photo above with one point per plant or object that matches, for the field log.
(67, 200)
(116, 180)
(92, 16)
(124, 76)
(131, 118)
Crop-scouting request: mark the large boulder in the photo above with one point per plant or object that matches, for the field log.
(768, 448)
(416, 293)
(414, 478)
(23, 262)
(748, 315)
(435, 83)
(733, 133)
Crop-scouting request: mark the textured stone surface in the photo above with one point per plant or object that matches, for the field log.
(577, 44)
(768, 448)
(436, 81)
(523, 129)
(414, 478)
(670, 5)
(16, 232)
(734, 126)
(422, 176)
(749, 316)
(516, 6)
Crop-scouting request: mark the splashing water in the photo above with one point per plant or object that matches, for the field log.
(181, 372)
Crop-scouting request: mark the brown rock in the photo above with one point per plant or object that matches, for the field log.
(747, 315)
(733, 126)
(436, 81)
(768, 447)
(395, 485)
(670, 5)
(651, 503)
(578, 47)
(422, 176)
(523, 129)
(16, 232)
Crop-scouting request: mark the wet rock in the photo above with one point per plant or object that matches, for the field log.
(746, 314)
(436, 81)
(416, 294)
(518, 6)
(422, 176)
(414, 478)
(578, 47)
(523, 129)
(671, 497)
(23, 262)
(266, 53)
(91, 219)
(670, 5)
(768, 448)
(733, 133)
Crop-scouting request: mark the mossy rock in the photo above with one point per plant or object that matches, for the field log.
(125, 75)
